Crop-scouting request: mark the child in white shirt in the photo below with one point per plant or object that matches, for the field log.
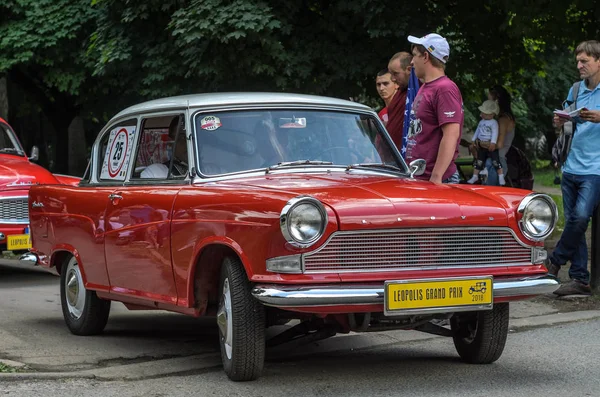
(484, 141)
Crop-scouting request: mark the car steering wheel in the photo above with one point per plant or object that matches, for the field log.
(332, 148)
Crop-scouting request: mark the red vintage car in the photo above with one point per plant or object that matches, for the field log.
(17, 175)
(259, 209)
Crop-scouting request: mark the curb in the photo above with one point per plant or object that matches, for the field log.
(523, 324)
(206, 362)
(148, 369)
(14, 364)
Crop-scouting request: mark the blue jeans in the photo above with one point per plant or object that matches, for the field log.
(492, 177)
(581, 195)
(454, 178)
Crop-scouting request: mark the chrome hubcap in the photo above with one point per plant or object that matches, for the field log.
(224, 319)
(74, 289)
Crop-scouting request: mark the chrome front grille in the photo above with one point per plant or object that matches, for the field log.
(14, 210)
(385, 250)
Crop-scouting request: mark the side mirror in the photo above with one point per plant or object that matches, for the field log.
(417, 167)
(35, 154)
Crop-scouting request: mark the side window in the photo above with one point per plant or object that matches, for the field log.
(162, 149)
(114, 151)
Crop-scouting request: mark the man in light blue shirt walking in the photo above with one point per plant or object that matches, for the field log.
(581, 175)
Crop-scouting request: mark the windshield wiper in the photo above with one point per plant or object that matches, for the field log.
(298, 162)
(374, 165)
(11, 150)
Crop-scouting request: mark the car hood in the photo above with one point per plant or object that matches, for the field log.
(372, 201)
(17, 173)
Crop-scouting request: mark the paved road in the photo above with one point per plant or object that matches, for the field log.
(544, 362)
(32, 329)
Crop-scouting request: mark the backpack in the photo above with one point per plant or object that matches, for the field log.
(562, 146)
(519, 169)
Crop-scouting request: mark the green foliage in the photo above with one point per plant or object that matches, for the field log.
(332, 48)
(46, 40)
(545, 177)
(560, 225)
(93, 57)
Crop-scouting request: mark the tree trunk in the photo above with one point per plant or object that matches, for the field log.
(77, 147)
(59, 108)
(550, 139)
(61, 120)
(3, 99)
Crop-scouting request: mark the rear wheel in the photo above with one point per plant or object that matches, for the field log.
(480, 337)
(84, 312)
(241, 320)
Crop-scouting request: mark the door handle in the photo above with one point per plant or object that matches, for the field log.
(113, 196)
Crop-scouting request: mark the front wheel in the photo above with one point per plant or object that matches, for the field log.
(479, 337)
(84, 312)
(241, 320)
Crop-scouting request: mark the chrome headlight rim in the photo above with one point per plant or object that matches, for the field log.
(527, 200)
(284, 220)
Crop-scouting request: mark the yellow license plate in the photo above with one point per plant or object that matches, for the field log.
(18, 242)
(438, 295)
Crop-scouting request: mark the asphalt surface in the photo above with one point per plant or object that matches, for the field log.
(541, 362)
(32, 329)
(145, 345)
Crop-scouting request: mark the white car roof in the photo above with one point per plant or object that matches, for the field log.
(229, 99)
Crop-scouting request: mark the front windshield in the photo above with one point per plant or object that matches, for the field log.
(235, 141)
(8, 142)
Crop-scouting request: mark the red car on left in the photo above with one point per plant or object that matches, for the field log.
(17, 175)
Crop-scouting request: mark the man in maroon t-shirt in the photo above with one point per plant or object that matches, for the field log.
(399, 67)
(434, 134)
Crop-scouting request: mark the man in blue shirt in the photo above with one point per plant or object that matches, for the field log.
(581, 175)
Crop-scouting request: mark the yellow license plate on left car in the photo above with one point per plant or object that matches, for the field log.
(18, 242)
(438, 295)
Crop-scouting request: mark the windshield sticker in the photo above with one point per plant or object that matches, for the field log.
(118, 153)
(210, 123)
(294, 122)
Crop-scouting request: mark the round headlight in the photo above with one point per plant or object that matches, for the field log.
(303, 221)
(539, 216)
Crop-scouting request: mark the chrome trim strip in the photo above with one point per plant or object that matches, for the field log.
(298, 170)
(15, 197)
(357, 294)
(404, 269)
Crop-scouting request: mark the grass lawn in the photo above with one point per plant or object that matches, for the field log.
(560, 225)
(544, 173)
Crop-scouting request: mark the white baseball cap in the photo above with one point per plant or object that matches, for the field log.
(435, 44)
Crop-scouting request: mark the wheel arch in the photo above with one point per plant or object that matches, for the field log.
(59, 256)
(204, 275)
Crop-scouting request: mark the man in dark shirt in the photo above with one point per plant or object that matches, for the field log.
(386, 88)
(399, 67)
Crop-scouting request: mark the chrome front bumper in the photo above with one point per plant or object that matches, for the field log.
(303, 296)
(29, 259)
